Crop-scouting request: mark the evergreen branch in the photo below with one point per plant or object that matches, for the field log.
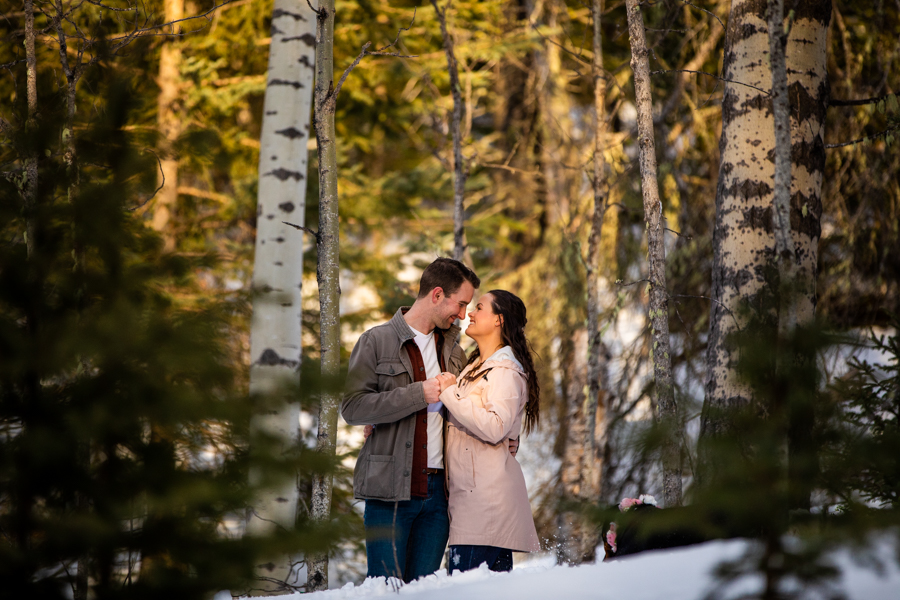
(868, 138)
(766, 92)
(862, 102)
(315, 234)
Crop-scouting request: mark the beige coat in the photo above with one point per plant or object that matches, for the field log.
(488, 500)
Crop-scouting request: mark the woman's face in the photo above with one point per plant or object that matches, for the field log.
(482, 319)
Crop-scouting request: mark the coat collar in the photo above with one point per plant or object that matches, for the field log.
(404, 331)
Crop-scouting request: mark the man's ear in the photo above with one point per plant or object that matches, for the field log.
(436, 295)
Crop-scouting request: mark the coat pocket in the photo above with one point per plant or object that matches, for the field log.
(462, 473)
(379, 476)
(391, 375)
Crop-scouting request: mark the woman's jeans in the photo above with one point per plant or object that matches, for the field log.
(406, 539)
(465, 557)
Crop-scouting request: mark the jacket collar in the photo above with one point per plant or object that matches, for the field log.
(405, 332)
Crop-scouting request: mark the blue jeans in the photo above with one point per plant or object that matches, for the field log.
(406, 539)
(464, 557)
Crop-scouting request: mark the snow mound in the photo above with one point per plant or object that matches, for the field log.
(679, 574)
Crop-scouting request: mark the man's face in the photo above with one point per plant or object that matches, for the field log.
(449, 308)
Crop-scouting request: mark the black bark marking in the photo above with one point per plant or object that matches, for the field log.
(274, 157)
(811, 223)
(291, 133)
(758, 218)
(279, 239)
(307, 38)
(278, 263)
(304, 60)
(277, 13)
(287, 207)
(274, 30)
(270, 217)
(271, 112)
(294, 84)
(283, 174)
(270, 358)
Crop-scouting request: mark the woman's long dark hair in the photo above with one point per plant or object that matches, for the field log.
(512, 330)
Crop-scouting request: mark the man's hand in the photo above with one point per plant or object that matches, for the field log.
(432, 390)
(513, 446)
(446, 380)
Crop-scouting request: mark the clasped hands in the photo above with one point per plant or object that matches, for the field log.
(433, 387)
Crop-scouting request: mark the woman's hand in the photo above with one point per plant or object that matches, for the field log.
(446, 380)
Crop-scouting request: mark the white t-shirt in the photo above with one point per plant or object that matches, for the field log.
(435, 419)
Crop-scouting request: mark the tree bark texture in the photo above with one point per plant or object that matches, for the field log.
(72, 73)
(744, 244)
(459, 167)
(597, 353)
(659, 300)
(275, 336)
(168, 120)
(327, 275)
(29, 191)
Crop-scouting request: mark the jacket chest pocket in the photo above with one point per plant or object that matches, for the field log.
(391, 375)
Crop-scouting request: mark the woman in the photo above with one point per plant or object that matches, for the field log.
(495, 398)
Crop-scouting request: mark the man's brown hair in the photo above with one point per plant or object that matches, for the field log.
(447, 274)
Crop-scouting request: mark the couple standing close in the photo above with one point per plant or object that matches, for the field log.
(439, 457)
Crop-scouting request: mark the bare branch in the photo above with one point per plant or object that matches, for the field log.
(156, 191)
(711, 75)
(868, 138)
(315, 234)
(365, 52)
(315, 10)
(706, 11)
(399, 33)
(862, 102)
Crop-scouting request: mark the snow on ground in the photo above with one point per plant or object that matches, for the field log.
(682, 574)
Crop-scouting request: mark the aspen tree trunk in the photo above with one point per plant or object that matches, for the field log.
(275, 336)
(659, 301)
(327, 275)
(743, 240)
(31, 162)
(168, 122)
(596, 362)
(459, 167)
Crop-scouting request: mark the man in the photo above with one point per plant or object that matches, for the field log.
(391, 383)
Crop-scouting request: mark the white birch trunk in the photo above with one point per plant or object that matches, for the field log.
(275, 335)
